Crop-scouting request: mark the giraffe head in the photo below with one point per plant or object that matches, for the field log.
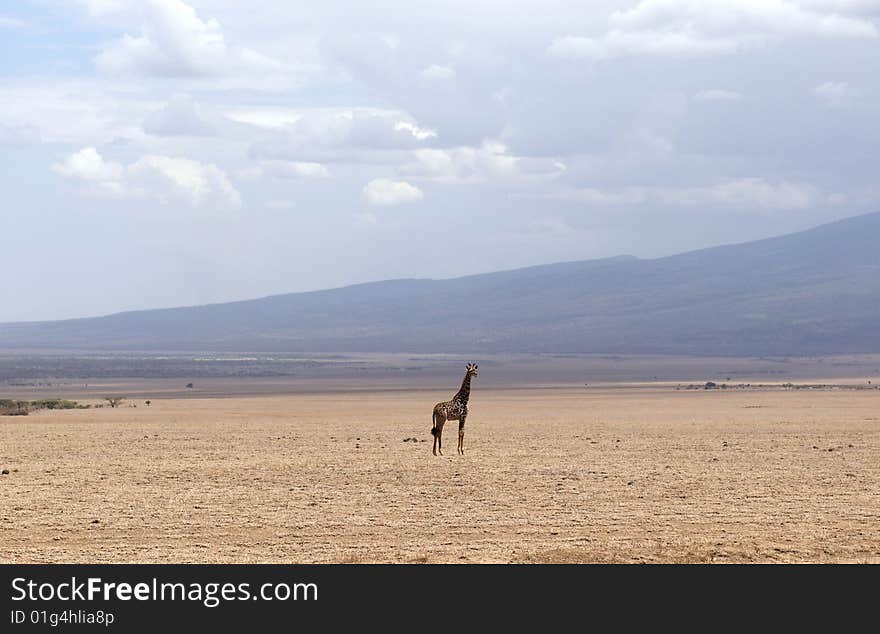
(472, 369)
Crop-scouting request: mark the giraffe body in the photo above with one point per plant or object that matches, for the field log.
(455, 409)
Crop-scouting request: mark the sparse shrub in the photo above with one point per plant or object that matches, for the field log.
(9, 407)
(14, 408)
(114, 401)
(53, 403)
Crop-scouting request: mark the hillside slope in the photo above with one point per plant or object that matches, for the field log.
(816, 291)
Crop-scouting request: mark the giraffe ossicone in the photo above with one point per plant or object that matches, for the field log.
(455, 409)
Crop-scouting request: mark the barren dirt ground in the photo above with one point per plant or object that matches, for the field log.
(551, 475)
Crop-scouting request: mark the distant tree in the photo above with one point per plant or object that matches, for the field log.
(147, 403)
(189, 385)
(114, 401)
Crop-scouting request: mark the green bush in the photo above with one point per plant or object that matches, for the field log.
(53, 403)
(8, 407)
(13, 408)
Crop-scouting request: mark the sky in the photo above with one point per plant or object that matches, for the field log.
(159, 153)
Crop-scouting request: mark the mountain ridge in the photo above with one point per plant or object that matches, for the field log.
(814, 291)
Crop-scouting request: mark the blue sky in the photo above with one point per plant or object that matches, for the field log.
(168, 152)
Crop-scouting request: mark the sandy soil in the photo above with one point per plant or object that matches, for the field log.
(625, 474)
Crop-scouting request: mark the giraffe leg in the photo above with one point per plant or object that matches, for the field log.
(438, 435)
(461, 436)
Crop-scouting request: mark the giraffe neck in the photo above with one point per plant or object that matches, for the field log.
(464, 392)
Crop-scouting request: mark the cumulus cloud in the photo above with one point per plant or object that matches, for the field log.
(417, 132)
(462, 108)
(466, 164)
(694, 27)
(164, 178)
(180, 117)
(332, 134)
(175, 42)
(87, 164)
(196, 183)
(386, 192)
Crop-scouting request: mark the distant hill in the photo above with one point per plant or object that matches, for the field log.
(813, 292)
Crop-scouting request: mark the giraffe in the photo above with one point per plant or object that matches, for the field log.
(456, 409)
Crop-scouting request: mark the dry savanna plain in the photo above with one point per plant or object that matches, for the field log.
(340, 470)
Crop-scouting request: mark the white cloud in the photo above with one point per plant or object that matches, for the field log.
(179, 117)
(332, 134)
(693, 27)
(435, 71)
(418, 133)
(335, 127)
(269, 118)
(89, 165)
(834, 93)
(489, 161)
(385, 192)
(153, 176)
(296, 169)
(175, 42)
(715, 94)
(465, 164)
(196, 183)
